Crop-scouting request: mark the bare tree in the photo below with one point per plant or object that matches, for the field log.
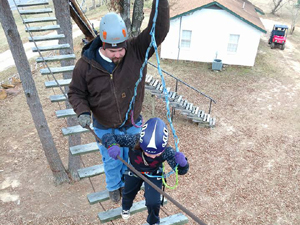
(62, 8)
(295, 14)
(277, 5)
(16, 46)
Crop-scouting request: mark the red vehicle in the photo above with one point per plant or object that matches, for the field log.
(278, 36)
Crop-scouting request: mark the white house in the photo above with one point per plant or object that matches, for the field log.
(204, 30)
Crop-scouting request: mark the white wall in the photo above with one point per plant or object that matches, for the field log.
(211, 29)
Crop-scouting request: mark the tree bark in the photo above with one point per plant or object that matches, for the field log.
(61, 9)
(125, 14)
(16, 46)
(137, 17)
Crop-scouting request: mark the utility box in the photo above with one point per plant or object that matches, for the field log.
(217, 64)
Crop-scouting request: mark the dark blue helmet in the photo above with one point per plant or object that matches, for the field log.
(154, 136)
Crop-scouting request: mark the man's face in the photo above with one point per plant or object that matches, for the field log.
(115, 54)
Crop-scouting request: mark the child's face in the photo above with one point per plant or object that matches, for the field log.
(153, 156)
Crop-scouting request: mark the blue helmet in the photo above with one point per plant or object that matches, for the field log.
(154, 136)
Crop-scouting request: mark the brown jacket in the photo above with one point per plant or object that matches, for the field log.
(108, 95)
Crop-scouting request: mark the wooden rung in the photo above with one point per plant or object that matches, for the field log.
(38, 20)
(42, 28)
(51, 48)
(57, 98)
(208, 118)
(35, 11)
(54, 70)
(176, 219)
(37, 3)
(74, 130)
(90, 171)
(55, 58)
(148, 78)
(116, 213)
(46, 37)
(65, 113)
(84, 149)
(53, 83)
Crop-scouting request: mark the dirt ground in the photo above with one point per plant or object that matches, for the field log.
(246, 170)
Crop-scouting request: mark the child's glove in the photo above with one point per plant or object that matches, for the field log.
(114, 151)
(180, 159)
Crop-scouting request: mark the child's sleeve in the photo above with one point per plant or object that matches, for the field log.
(126, 140)
(169, 155)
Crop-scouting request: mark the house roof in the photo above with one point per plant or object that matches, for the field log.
(242, 9)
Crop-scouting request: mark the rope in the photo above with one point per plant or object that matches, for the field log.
(181, 207)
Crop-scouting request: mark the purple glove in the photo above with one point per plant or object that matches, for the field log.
(180, 159)
(114, 151)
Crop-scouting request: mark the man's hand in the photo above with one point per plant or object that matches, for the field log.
(84, 120)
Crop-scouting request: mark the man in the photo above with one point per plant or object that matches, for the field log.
(103, 84)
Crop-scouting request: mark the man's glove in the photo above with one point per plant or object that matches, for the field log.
(84, 120)
(180, 159)
(114, 151)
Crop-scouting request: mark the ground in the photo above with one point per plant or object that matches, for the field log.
(246, 170)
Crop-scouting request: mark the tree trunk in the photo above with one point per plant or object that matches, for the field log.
(16, 46)
(137, 17)
(125, 14)
(61, 10)
(277, 6)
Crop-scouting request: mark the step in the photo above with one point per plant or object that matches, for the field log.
(91, 171)
(46, 37)
(116, 213)
(84, 149)
(65, 113)
(101, 196)
(53, 83)
(42, 28)
(54, 70)
(35, 11)
(74, 130)
(55, 58)
(51, 48)
(176, 219)
(39, 20)
(37, 3)
(58, 98)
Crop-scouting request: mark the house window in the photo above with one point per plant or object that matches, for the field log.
(186, 39)
(233, 43)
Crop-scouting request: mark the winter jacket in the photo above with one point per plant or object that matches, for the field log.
(137, 157)
(106, 95)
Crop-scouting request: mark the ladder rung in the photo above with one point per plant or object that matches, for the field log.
(33, 4)
(90, 171)
(54, 70)
(42, 28)
(53, 83)
(55, 58)
(84, 149)
(173, 219)
(37, 20)
(57, 98)
(74, 130)
(50, 48)
(46, 37)
(35, 11)
(65, 113)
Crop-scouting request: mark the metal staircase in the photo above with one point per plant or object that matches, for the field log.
(40, 25)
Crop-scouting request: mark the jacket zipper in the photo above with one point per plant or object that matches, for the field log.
(114, 91)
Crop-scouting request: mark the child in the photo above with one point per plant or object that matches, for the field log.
(148, 150)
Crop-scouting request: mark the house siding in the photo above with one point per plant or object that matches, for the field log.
(211, 29)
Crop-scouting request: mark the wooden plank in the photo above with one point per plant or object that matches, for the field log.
(46, 37)
(91, 171)
(57, 98)
(53, 83)
(84, 149)
(39, 20)
(51, 48)
(176, 219)
(74, 130)
(116, 213)
(37, 3)
(54, 70)
(35, 11)
(55, 58)
(42, 28)
(65, 113)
